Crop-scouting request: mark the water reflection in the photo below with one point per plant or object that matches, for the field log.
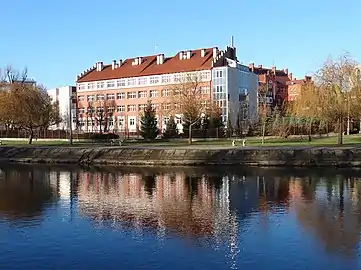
(216, 207)
(24, 194)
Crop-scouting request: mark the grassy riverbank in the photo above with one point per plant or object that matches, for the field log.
(250, 141)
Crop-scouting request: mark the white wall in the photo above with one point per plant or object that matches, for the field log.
(63, 95)
(240, 82)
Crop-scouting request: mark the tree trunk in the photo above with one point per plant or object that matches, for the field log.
(190, 134)
(31, 136)
(263, 131)
(340, 131)
(310, 131)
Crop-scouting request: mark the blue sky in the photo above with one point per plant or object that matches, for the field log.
(58, 39)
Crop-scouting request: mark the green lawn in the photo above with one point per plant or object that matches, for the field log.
(251, 141)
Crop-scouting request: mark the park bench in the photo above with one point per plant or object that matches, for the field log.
(239, 140)
(114, 142)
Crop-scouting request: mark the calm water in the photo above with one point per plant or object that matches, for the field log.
(69, 218)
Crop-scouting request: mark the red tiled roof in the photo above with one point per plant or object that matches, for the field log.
(150, 67)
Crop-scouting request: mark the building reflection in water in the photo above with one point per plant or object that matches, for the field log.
(194, 205)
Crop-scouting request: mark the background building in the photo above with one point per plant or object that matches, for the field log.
(122, 89)
(66, 96)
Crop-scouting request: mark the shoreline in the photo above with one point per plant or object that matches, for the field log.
(272, 156)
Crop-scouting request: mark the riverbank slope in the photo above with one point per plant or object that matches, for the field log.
(345, 156)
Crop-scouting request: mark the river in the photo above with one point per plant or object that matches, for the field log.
(55, 217)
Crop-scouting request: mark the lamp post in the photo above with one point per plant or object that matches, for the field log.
(71, 119)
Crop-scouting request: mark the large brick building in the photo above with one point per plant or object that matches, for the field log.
(127, 85)
(272, 88)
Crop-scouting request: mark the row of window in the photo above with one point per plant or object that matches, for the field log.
(121, 121)
(130, 108)
(134, 95)
(142, 81)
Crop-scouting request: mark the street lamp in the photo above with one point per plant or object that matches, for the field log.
(71, 119)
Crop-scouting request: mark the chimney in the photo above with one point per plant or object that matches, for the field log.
(135, 62)
(290, 76)
(259, 66)
(203, 52)
(160, 59)
(274, 69)
(181, 55)
(99, 66)
(139, 60)
(114, 64)
(251, 66)
(189, 53)
(120, 62)
(215, 52)
(286, 70)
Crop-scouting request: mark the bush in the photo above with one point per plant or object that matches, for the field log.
(101, 136)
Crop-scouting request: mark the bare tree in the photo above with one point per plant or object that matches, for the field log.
(27, 107)
(333, 97)
(101, 111)
(189, 100)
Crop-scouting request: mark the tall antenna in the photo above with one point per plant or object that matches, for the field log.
(232, 41)
(155, 48)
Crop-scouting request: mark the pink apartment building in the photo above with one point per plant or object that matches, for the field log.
(122, 88)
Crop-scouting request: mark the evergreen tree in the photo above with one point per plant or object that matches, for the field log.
(148, 123)
(171, 130)
(229, 128)
(216, 126)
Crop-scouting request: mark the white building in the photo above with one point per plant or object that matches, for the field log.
(66, 97)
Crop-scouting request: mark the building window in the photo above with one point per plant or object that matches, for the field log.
(154, 79)
(121, 83)
(219, 73)
(110, 96)
(90, 110)
(110, 121)
(132, 95)
(110, 84)
(141, 107)
(205, 75)
(121, 108)
(100, 109)
(81, 98)
(165, 78)
(154, 106)
(166, 106)
(142, 81)
(178, 120)
(177, 78)
(142, 94)
(218, 89)
(131, 81)
(205, 89)
(100, 85)
(121, 122)
(131, 122)
(166, 119)
(165, 92)
(120, 95)
(81, 110)
(91, 98)
(153, 93)
(81, 86)
(132, 108)
(110, 109)
(91, 86)
(100, 97)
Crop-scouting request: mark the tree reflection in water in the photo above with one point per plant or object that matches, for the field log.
(24, 194)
